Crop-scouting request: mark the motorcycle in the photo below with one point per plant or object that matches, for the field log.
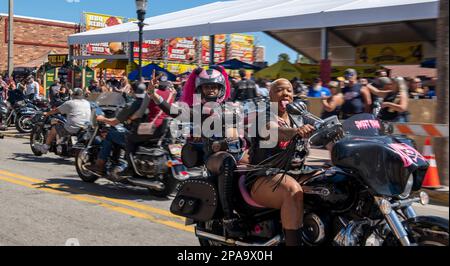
(363, 199)
(62, 146)
(25, 111)
(156, 165)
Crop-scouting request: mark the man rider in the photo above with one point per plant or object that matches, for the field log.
(245, 89)
(138, 111)
(78, 113)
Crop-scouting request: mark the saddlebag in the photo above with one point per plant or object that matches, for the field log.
(196, 199)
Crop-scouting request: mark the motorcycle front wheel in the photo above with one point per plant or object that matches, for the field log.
(423, 231)
(36, 137)
(23, 124)
(81, 159)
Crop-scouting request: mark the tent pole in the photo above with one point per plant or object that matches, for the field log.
(325, 63)
(212, 43)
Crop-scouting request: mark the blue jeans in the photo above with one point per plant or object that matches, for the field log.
(113, 137)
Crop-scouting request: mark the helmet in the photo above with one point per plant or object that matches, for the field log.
(211, 76)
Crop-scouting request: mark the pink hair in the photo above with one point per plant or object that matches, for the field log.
(189, 88)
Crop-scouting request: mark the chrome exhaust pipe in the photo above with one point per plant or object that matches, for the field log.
(271, 242)
(154, 185)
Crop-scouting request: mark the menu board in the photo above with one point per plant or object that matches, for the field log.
(153, 49)
(182, 49)
(241, 47)
(220, 49)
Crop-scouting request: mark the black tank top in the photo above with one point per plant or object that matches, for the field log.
(353, 101)
(387, 114)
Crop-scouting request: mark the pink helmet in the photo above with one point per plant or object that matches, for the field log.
(211, 76)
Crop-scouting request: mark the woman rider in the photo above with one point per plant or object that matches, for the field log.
(287, 195)
(213, 87)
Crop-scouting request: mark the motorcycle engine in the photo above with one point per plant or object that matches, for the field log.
(150, 162)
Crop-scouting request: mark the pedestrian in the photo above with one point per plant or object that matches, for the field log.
(31, 89)
(93, 87)
(125, 86)
(415, 88)
(357, 98)
(317, 90)
(332, 104)
(395, 99)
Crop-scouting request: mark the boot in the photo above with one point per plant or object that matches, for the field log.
(98, 167)
(293, 238)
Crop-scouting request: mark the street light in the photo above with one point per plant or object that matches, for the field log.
(141, 8)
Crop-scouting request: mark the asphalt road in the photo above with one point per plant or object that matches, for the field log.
(43, 202)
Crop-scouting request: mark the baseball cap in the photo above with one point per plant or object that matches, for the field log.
(341, 79)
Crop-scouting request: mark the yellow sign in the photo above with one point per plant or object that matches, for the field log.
(180, 68)
(392, 53)
(57, 60)
(97, 21)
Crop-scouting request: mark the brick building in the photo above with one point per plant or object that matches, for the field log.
(34, 38)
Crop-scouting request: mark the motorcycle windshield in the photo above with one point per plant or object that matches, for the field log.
(362, 125)
(110, 99)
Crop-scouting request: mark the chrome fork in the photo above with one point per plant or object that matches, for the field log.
(393, 221)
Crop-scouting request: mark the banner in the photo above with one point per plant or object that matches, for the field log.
(392, 53)
(97, 21)
(309, 72)
(179, 68)
(182, 49)
(241, 47)
(220, 49)
(57, 60)
(151, 50)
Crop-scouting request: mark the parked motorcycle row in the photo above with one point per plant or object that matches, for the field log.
(364, 198)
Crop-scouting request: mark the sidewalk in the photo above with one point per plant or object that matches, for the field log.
(13, 133)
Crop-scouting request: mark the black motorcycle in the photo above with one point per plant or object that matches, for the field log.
(62, 146)
(156, 165)
(24, 113)
(364, 198)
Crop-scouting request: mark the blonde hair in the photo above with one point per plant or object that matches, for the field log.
(277, 82)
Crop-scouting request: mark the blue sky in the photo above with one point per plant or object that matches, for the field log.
(71, 10)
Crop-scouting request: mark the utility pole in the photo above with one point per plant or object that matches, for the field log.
(10, 38)
(441, 144)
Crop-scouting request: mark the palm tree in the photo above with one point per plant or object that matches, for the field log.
(441, 144)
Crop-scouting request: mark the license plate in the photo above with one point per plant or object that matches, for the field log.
(175, 149)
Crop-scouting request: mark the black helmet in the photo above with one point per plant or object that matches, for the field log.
(139, 89)
(210, 76)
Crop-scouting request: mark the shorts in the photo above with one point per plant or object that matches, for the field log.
(62, 132)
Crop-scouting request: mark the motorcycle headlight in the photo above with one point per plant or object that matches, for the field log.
(408, 188)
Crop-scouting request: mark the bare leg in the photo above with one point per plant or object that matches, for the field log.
(288, 197)
(51, 136)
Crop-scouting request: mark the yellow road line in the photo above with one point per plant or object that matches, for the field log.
(92, 200)
(118, 201)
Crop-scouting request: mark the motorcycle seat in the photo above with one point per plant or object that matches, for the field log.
(246, 194)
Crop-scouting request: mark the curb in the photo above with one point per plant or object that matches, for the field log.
(17, 136)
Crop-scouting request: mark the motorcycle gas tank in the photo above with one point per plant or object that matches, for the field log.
(381, 162)
(330, 190)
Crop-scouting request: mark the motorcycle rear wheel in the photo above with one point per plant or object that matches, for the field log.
(170, 184)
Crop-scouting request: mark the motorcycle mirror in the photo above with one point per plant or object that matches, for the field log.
(297, 108)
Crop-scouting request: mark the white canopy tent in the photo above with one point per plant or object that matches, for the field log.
(296, 23)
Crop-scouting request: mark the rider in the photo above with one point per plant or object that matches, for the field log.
(287, 194)
(245, 89)
(140, 111)
(213, 87)
(78, 112)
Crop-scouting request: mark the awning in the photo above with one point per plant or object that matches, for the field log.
(411, 71)
(147, 72)
(267, 16)
(282, 69)
(113, 64)
(235, 64)
(38, 62)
